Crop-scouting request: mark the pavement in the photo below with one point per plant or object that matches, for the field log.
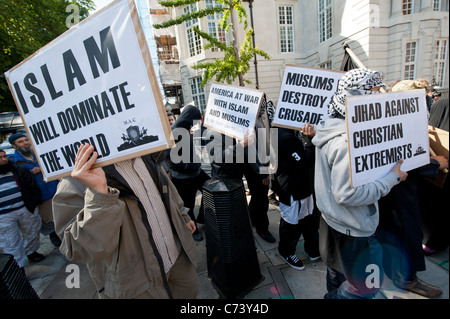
(53, 277)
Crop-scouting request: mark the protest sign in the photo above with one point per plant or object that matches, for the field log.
(384, 128)
(93, 84)
(304, 96)
(232, 110)
(439, 146)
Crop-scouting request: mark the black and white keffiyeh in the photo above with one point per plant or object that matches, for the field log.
(270, 112)
(354, 82)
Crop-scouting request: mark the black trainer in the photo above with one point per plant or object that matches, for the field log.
(35, 257)
(294, 262)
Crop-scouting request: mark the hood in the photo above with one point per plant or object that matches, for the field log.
(329, 129)
(187, 117)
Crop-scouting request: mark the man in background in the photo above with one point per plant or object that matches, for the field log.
(19, 221)
(24, 156)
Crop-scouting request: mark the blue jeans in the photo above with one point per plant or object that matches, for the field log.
(360, 273)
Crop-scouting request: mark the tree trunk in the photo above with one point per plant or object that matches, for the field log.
(235, 47)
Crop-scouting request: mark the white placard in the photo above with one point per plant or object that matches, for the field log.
(93, 84)
(305, 95)
(384, 128)
(232, 110)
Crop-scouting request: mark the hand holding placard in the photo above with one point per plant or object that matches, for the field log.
(401, 174)
(91, 177)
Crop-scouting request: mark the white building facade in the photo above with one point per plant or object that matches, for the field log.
(404, 39)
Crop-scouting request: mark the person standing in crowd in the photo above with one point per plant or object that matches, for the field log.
(24, 156)
(127, 222)
(187, 176)
(294, 186)
(349, 216)
(257, 183)
(19, 220)
(399, 229)
(273, 161)
(435, 218)
(439, 116)
(171, 118)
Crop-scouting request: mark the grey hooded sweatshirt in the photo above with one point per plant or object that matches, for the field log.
(351, 211)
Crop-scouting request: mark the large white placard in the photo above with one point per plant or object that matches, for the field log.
(232, 110)
(304, 96)
(94, 84)
(384, 128)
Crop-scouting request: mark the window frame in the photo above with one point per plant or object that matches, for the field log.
(286, 40)
(437, 5)
(325, 20)
(407, 7)
(198, 93)
(213, 24)
(410, 60)
(440, 56)
(193, 40)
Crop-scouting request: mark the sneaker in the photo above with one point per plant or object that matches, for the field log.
(313, 258)
(35, 257)
(294, 262)
(427, 251)
(421, 288)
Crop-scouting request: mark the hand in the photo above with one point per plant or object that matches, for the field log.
(443, 162)
(248, 139)
(36, 170)
(308, 130)
(266, 181)
(400, 173)
(191, 225)
(272, 167)
(91, 177)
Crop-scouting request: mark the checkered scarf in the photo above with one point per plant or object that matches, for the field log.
(354, 82)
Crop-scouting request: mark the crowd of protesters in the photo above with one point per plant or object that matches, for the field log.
(133, 222)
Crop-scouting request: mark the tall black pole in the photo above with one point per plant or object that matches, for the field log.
(253, 39)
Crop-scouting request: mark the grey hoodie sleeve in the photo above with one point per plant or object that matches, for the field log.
(341, 188)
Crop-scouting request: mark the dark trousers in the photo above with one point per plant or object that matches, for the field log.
(355, 264)
(259, 201)
(290, 235)
(187, 189)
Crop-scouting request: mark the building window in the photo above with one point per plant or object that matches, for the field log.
(194, 40)
(408, 7)
(325, 20)
(436, 5)
(440, 58)
(214, 28)
(410, 60)
(326, 65)
(198, 94)
(286, 22)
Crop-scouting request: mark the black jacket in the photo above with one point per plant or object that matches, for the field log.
(185, 121)
(31, 194)
(294, 176)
